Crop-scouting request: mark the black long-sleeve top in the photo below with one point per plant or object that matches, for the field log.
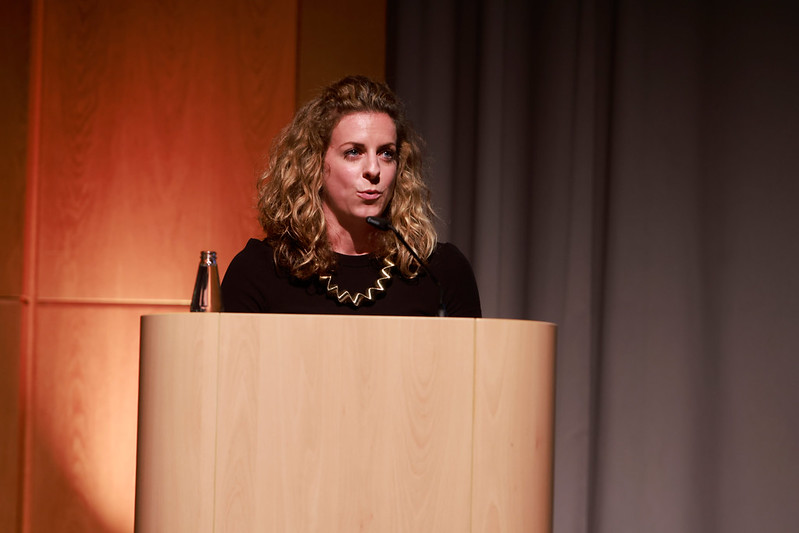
(254, 284)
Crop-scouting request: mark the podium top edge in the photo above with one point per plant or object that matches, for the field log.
(356, 317)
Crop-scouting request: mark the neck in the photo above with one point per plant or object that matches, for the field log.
(351, 241)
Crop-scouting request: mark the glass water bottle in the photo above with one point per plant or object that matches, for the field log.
(207, 297)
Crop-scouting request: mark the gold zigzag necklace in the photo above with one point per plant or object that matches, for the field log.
(345, 296)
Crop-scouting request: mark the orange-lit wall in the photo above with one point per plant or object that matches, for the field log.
(14, 65)
(131, 135)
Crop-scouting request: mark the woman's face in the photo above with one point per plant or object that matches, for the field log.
(360, 167)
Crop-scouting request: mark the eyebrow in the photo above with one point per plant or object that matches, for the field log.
(354, 144)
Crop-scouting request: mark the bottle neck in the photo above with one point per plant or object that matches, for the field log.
(208, 258)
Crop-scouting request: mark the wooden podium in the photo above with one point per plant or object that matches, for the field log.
(299, 423)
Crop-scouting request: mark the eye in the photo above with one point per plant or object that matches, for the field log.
(352, 152)
(388, 154)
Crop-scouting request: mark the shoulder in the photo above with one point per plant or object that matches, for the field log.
(256, 248)
(455, 274)
(255, 257)
(447, 255)
(246, 280)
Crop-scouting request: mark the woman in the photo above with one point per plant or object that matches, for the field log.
(348, 154)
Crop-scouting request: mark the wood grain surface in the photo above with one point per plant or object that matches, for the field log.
(15, 43)
(10, 414)
(368, 429)
(154, 116)
(178, 397)
(329, 34)
(346, 423)
(14, 61)
(82, 456)
(514, 418)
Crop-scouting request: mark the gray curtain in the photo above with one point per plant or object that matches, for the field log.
(630, 171)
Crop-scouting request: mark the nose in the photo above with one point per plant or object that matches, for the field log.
(371, 169)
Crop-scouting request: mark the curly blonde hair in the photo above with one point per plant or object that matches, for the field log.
(290, 190)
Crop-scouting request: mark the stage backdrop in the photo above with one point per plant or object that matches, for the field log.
(630, 171)
(132, 133)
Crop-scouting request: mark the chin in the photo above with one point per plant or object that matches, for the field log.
(370, 213)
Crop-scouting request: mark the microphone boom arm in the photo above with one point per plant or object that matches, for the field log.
(384, 225)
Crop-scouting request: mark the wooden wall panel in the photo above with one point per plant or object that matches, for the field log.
(84, 414)
(14, 65)
(10, 416)
(154, 115)
(14, 59)
(337, 39)
(153, 119)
